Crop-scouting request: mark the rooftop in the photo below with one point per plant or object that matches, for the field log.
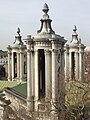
(18, 87)
(72, 90)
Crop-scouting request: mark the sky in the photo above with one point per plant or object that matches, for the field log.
(26, 15)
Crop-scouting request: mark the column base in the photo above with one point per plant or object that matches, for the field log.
(22, 79)
(9, 79)
(80, 79)
(30, 105)
(57, 115)
(54, 115)
(36, 106)
(54, 105)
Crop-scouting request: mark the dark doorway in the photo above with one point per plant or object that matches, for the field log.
(15, 64)
(41, 64)
(73, 65)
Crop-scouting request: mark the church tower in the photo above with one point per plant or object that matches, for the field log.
(45, 65)
(74, 58)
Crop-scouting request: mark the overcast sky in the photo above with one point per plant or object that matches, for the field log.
(26, 14)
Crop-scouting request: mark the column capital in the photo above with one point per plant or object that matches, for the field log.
(18, 53)
(9, 52)
(47, 51)
(54, 51)
(28, 51)
(81, 52)
(77, 52)
(66, 52)
(21, 52)
(36, 51)
(54, 42)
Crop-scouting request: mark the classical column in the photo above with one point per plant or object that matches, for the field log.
(32, 73)
(61, 78)
(13, 66)
(18, 66)
(21, 65)
(47, 75)
(9, 66)
(70, 65)
(63, 64)
(66, 59)
(81, 66)
(36, 79)
(54, 79)
(76, 66)
(29, 82)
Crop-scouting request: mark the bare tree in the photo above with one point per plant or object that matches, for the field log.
(77, 97)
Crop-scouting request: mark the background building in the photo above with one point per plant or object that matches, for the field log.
(3, 64)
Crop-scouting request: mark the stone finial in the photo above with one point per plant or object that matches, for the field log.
(18, 31)
(45, 8)
(75, 28)
(45, 22)
(74, 36)
(18, 37)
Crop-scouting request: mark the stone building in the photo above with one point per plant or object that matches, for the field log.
(74, 58)
(3, 64)
(43, 56)
(3, 57)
